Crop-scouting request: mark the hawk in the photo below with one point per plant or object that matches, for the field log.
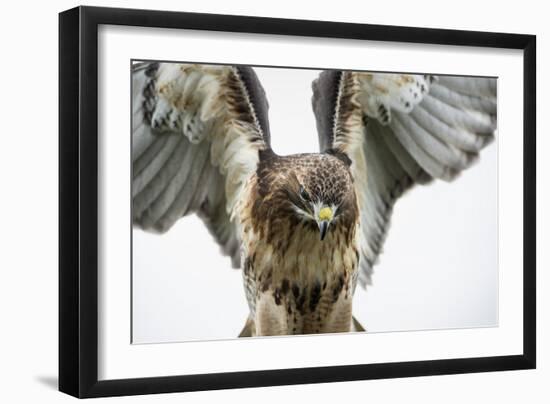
(305, 229)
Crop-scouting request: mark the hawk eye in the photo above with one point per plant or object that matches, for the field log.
(303, 194)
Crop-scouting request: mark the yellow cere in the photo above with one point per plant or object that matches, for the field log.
(325, 214)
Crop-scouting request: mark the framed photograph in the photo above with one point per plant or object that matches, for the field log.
(251, 201)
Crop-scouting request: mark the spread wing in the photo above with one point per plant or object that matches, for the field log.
(399, 130)
(197, 132)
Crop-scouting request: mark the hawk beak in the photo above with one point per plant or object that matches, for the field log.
(325, 217)
(323, 227)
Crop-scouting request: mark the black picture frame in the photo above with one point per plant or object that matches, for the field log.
(78, 201)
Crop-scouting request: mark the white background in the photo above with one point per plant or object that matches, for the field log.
(29, 175)
(438, 271)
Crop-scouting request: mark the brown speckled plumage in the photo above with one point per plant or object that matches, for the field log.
(296, 283)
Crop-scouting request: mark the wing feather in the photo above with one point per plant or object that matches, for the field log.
(180, 190)
(471, 86)
(472, 121)
(458, 100)
(189, 192)
(444, 153)
(197, 133)
(405, 160)
(159, 170)
(460, 138)
(159, 179)
(428, 162)
(399, 130)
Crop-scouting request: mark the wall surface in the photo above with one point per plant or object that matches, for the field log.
(28, 167)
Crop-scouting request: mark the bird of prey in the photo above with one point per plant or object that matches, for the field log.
(305, 229)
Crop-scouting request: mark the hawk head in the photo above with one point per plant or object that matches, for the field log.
(322, 193)
(314, 192)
